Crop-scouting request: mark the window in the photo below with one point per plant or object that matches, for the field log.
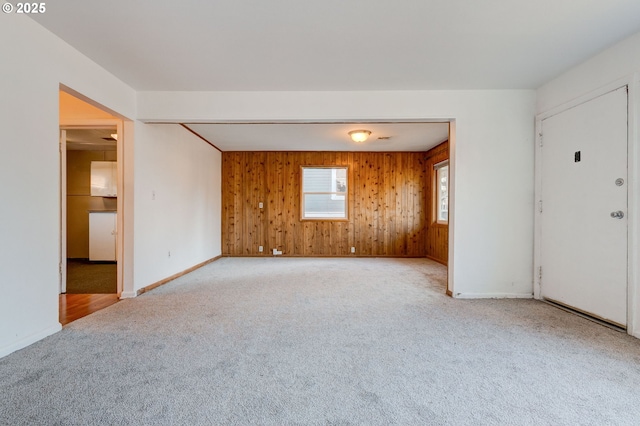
(324, 191)
(338, 183)
(441, 191)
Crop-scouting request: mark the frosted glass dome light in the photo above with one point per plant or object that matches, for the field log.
(359, 135)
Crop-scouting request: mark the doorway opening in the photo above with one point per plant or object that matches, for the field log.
(90, 199)
(391, 181)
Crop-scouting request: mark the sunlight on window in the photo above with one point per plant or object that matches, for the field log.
(442, 191)
(324, 191)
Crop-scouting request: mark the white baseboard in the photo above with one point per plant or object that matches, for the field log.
(128, 294)
(493, 296)
(23, 343)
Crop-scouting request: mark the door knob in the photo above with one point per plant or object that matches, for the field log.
(617, 215)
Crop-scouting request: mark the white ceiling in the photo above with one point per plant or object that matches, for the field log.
(339, 44)
(295, 45)
(322, 136)
(90, 140)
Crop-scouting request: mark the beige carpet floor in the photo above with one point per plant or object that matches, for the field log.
(283, 341)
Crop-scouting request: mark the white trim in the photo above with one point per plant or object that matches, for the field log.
(596, 93)
(62, 266)
(633, 207)
(437, 191)
(334, 184)
(324, 215)
(441, 164)
(452, 206)
(126, 176)
(128, 294)
(23, 343)
(120, 206)
(493, 296)
(97, 123)
(632, 82)
(123, 257)
(537, 218)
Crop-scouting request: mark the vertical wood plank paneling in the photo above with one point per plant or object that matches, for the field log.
(232, 204)
(269, 201)
(227, 204)
(380, 216)
(437, 235)
(359, 208)
(417, 196)
(375, 205)
(410, 206)
(420, 205)
(238, 237)
(387, 205)
(248, 230)
(257, 195)
(291, 215)
(354, 172)
(387, 213)
(400, 213)
(369, 207)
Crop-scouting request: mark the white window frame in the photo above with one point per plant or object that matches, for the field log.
(335, 195)
(437, 191)
(334, 184)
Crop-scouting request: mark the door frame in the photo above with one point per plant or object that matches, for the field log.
(62, 267)
(633, 201)
(120, 258)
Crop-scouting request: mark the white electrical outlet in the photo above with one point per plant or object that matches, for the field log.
(260, 248)
(260, 205)
(353, 249)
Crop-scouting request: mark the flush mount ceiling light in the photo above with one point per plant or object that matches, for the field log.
(359, 135)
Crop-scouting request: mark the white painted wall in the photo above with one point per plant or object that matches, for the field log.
(492, 165)
(34, 64)
(178, 202)
(618, 62)
(492, 171)
(612, 68)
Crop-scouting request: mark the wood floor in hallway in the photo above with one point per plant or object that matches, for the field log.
(75, 306)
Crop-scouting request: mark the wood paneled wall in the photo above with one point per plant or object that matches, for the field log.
(387, 205)
(437, 234)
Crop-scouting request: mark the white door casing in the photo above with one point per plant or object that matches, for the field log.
(583, 249)
(63, 212)
(121, 256)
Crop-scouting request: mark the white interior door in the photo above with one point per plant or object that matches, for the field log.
(583, 252)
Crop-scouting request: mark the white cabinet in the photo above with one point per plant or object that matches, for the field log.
(102, 235)
(104, 179)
